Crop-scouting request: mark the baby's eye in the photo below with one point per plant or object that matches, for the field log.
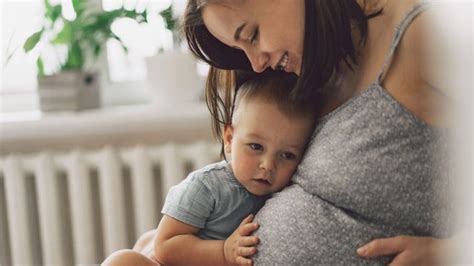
(288, 156)
(256, 146)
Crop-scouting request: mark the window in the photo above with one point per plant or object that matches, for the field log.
(18, 71)
(142, 40)
(125, 74)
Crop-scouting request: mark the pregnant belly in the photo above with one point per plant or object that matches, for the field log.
(297, 228)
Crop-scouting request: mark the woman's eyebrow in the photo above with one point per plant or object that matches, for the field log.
(238, 31)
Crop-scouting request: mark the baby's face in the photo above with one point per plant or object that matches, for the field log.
(265, 146)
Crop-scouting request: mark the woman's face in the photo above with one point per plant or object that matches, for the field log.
(270, 32)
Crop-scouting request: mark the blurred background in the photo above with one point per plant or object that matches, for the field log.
(101, 111)
(121, 62)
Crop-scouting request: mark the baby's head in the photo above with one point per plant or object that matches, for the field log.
(268, 134)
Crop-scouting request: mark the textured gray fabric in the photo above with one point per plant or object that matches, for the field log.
(372, 170)
(213, 200)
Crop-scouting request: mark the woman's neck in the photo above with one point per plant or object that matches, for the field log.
(352, 80)
(371, 6)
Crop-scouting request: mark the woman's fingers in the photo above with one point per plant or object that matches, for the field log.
(409, 250)
(383, 246)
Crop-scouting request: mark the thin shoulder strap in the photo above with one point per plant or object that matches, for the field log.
(399, 31)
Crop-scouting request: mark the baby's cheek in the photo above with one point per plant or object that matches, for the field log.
(291, 171)
(243, 164)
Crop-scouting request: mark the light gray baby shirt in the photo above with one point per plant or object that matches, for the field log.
(213, 200)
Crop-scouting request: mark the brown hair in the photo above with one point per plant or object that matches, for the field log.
(268, 87)
(328, 42)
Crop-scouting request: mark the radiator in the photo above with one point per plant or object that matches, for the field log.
(79, 206)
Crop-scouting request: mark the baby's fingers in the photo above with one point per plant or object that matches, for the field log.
(247, 229)
(247, 219)
(243, 261)
(246, 251)
(248, 241)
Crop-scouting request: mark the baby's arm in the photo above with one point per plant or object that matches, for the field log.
(176, 243)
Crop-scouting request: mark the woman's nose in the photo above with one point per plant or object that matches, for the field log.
(258, 59)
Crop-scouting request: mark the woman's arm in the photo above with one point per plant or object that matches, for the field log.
(176, 243)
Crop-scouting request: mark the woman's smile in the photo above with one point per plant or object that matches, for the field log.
(251, 26)
(283, 63)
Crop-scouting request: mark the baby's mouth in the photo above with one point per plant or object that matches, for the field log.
(262, 181)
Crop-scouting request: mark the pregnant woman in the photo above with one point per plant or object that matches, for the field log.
(374, 171)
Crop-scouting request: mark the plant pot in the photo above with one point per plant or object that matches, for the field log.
(173, 79)
(69, 91)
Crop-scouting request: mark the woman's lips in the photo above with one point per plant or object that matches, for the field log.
(283, 63)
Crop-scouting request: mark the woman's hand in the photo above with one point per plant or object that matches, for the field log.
(408, 250)
(239, 246)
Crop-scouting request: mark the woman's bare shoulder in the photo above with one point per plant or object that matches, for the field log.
(414, 75)
(436, 44)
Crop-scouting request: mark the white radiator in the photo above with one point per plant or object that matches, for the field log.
(77, 207)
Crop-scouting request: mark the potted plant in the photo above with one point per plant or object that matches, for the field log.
(72, 86)
(172, 74)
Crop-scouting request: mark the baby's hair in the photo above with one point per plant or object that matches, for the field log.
(269, 87)
(276, 89)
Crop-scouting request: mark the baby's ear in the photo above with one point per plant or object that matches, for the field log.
(228, 134)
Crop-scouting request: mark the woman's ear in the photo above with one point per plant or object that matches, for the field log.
(228, 134)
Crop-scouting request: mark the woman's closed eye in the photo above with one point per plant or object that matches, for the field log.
(255, 35)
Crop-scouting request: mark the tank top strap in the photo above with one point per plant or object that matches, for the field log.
(399, 31)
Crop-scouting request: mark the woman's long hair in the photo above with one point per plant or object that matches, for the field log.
(328, 43)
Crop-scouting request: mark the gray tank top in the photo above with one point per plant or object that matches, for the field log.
(372, 170)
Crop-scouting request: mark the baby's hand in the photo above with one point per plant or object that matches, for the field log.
(239, 246)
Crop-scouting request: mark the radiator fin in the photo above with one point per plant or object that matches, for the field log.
(78, 206)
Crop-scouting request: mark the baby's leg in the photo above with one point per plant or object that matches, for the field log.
(145, 242)
(128, 257)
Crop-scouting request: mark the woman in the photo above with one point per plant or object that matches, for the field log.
(373, 169)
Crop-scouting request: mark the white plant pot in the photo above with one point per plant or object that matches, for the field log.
(69, 91)
(173, 78)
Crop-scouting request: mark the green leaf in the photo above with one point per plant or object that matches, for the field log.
(97, 49)
(31, 42)
(57, 11)
(65, 35)
(8, 50)
(52, 12)
(167, 15)
(40, 67)
(48, 6)
(78, 6)
(75, 58)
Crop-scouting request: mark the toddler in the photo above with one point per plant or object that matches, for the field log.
(208, 216)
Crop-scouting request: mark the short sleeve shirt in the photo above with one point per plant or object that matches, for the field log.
(213, 200)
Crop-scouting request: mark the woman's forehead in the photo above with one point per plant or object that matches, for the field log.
(222, 21)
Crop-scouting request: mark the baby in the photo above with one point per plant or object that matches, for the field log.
(208, 216)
